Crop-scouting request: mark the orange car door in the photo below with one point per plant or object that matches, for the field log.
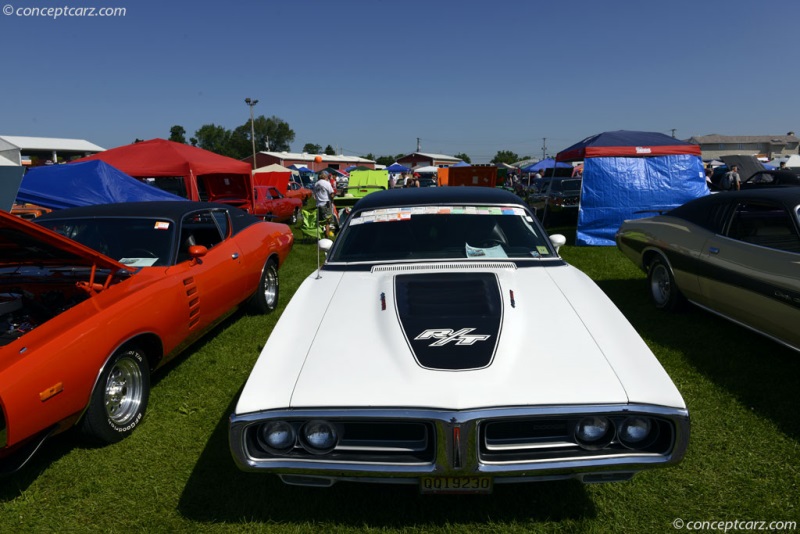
(213, 283)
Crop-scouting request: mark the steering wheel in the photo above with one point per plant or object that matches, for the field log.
(139, 253)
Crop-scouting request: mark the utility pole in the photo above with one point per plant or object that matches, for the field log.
(544, 147)
(673, 133)
(252, 103)
(419, 147)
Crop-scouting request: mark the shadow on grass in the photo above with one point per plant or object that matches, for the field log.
(217, 491)
(758, 372)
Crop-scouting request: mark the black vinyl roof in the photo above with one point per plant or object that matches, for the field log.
(698, 208)
(171, 210)
(421, 196)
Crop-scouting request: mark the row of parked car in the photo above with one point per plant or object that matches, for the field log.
(445, 284)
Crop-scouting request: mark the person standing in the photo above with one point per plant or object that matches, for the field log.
(323, 195)
(731, 180)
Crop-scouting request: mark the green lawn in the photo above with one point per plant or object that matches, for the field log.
(175, 473)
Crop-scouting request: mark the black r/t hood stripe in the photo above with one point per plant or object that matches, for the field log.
(451, 320)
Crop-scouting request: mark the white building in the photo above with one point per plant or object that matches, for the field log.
(18, 150)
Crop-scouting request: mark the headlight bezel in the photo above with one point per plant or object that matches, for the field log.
(263, 434)
(650, 436)
(602, 441)
(307, 442)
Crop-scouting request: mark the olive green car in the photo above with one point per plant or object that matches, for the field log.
(736, 254)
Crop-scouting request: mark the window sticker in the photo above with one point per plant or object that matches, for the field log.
(404, 214)
(541, 249)
(161, 225)
(490, 252)
(138, 262)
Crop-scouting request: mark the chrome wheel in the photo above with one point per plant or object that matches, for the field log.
(660, 285)
(663, 289)
(271, 286)
(124, 391)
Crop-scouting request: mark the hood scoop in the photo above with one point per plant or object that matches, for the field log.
(450, 320)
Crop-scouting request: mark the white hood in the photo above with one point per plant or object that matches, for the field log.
(561, 342)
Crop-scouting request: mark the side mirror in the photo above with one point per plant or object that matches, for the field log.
(558, 241)
(325, 244)
(197, 251)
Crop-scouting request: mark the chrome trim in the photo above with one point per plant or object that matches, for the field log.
(747, 326)
(447, 266)
(614, 464)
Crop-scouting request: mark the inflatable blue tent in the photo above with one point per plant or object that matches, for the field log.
(626, 172)
(85, 184)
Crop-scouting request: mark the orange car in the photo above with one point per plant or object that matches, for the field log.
(296, 190)
(84, 321)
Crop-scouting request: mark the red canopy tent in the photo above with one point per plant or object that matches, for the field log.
(185, 170)
(274, 175)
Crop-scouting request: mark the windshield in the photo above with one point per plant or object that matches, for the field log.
(441, 232)
(134, 242)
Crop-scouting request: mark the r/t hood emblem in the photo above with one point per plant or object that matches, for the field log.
(446, 335)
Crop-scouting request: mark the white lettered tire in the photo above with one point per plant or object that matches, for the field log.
(120, 397)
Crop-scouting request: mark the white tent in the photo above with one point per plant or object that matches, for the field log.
(792, 161)
(427, 169)
(276, 168)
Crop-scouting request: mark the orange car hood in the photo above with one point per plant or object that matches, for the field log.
(23, 242)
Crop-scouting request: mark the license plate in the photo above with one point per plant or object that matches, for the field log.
(456, 485)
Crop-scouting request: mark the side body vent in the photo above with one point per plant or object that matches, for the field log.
(193, 300)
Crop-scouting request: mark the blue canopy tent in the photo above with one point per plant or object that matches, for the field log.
(461, 164)
(84, 184)
(547, 163)
(626, 172)
(396, 167)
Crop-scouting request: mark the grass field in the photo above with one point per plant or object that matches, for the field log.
(175, 473)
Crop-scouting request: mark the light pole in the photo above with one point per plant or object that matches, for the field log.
(252, 103)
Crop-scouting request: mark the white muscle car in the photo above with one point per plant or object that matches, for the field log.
(476, 356)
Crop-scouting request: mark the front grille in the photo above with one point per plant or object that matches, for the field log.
(547, 439)
(523, 441)
(393, 442)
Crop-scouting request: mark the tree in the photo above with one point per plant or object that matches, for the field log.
(311, 148)
(330, 151)
(504, 156)
(463, 157)
(272, 133)
(215, 139)
(369, 156)
(178, 134)
(385, 160)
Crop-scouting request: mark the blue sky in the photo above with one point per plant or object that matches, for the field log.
(373, 76)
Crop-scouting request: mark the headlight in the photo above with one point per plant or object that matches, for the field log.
(637, 432)
(594, 432)
(277, 436)
(319, 437)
